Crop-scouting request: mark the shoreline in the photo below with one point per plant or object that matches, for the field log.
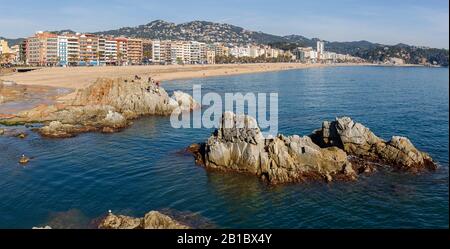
(71, 79)
(80, 77)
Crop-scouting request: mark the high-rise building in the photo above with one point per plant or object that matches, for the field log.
(73, 50)
(156, 51)
(135, 51)
(101, 50)
(320, 49)
(110, 51)
(177, 52)
(147, 50)
(42, 49)
(62, 52)
(89, 49)
(122, 50)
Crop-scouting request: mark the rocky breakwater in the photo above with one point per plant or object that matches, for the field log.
(358, 141)
(339, 151)
(107, 105)
(238, 145)
(151, 220)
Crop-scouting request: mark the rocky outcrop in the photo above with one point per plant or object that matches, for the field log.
(238, 145)
(131, 97)
(74, 120)
(340, 150)
(151, 220)
(357, 140)
(107, 106)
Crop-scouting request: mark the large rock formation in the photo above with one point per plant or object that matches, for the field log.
(238, 145)
(105, 106)
(151, 220)
(340, 150)
(356, 139)
(130, 97)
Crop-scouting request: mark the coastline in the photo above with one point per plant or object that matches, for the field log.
(81, 77)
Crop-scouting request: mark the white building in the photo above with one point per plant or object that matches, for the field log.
(62, 51)
(320, 47)
(110, 51)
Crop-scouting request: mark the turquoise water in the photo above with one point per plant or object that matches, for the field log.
(72, 181)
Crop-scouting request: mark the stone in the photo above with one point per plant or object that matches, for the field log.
(157, 220)
(238, 145)
(357, 140)
(44, 227)
(21, 135)
(121, 222)
(24, 160)
(2, 131)
(152, 220)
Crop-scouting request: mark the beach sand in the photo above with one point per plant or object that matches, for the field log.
(81, 77)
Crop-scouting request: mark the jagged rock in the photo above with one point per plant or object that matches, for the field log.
(152, 220)
(238, 145)
(358, 140)
(157, 220)
(2, 131)
(121, 222)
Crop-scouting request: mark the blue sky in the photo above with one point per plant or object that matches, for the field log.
(389, 22)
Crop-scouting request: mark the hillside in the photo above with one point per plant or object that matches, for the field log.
(233, 35)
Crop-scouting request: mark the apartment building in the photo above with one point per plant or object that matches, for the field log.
(135, 51)
(62, 52)
(177, 52)
(221, 50)
(147, 50)
(88, 49)
(195, 51)
(122, 50)
(101, 50)
(110, 51)
(42, 49)
(73, 50)
(187, 53)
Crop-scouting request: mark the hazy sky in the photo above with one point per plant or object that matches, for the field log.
(417, 22)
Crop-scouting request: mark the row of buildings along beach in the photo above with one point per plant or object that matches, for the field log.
(50, 49)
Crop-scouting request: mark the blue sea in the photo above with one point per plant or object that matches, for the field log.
(70, 182)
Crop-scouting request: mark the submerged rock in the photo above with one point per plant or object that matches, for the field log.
(358, 140)
(238, 145)
(24, 160)
(151, 220)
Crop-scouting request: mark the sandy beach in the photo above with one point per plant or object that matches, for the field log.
(80, 77)
(63, 82)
